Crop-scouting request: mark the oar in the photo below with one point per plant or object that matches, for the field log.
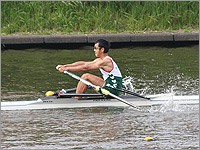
(104, 91)
(129, 92)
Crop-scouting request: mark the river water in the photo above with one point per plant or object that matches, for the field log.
(28, 74)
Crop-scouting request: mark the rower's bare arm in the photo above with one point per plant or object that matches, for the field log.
(79, 63)
(94, 65)
(76, 64)
(106, 65)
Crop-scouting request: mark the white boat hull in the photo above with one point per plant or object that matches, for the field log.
(52, 102)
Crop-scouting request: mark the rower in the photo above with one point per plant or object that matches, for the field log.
(111, 74)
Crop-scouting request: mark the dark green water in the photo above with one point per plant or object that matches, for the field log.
(26, 74)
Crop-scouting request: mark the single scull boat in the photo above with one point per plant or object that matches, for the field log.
(67, 100)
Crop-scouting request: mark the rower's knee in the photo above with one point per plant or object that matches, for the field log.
(86, 76)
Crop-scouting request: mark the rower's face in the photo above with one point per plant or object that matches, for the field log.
(97, 50)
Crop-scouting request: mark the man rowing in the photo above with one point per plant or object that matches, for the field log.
(111, 74)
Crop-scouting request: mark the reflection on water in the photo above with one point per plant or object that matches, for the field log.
(28, 74)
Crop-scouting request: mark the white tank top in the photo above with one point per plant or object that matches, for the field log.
(115, 70)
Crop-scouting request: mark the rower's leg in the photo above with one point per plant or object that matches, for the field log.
(82, 88)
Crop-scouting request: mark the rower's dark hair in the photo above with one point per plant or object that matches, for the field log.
(103, 44)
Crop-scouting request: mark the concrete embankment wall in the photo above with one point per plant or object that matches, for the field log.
(65, 41)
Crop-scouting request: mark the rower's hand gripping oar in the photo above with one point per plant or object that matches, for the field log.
(98, 88)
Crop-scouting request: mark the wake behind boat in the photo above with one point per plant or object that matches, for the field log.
(67, 100)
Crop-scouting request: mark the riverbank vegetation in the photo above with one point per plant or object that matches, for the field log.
(86, 17)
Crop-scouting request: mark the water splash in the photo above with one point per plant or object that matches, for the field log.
(162, 83)
(128, 83)
(170, 105)
(169, 95)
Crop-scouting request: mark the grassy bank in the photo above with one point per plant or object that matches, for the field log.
(83, 17)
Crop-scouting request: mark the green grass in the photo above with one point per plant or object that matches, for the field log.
(84, 17)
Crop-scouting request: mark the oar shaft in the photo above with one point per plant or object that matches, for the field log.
(78, 78)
